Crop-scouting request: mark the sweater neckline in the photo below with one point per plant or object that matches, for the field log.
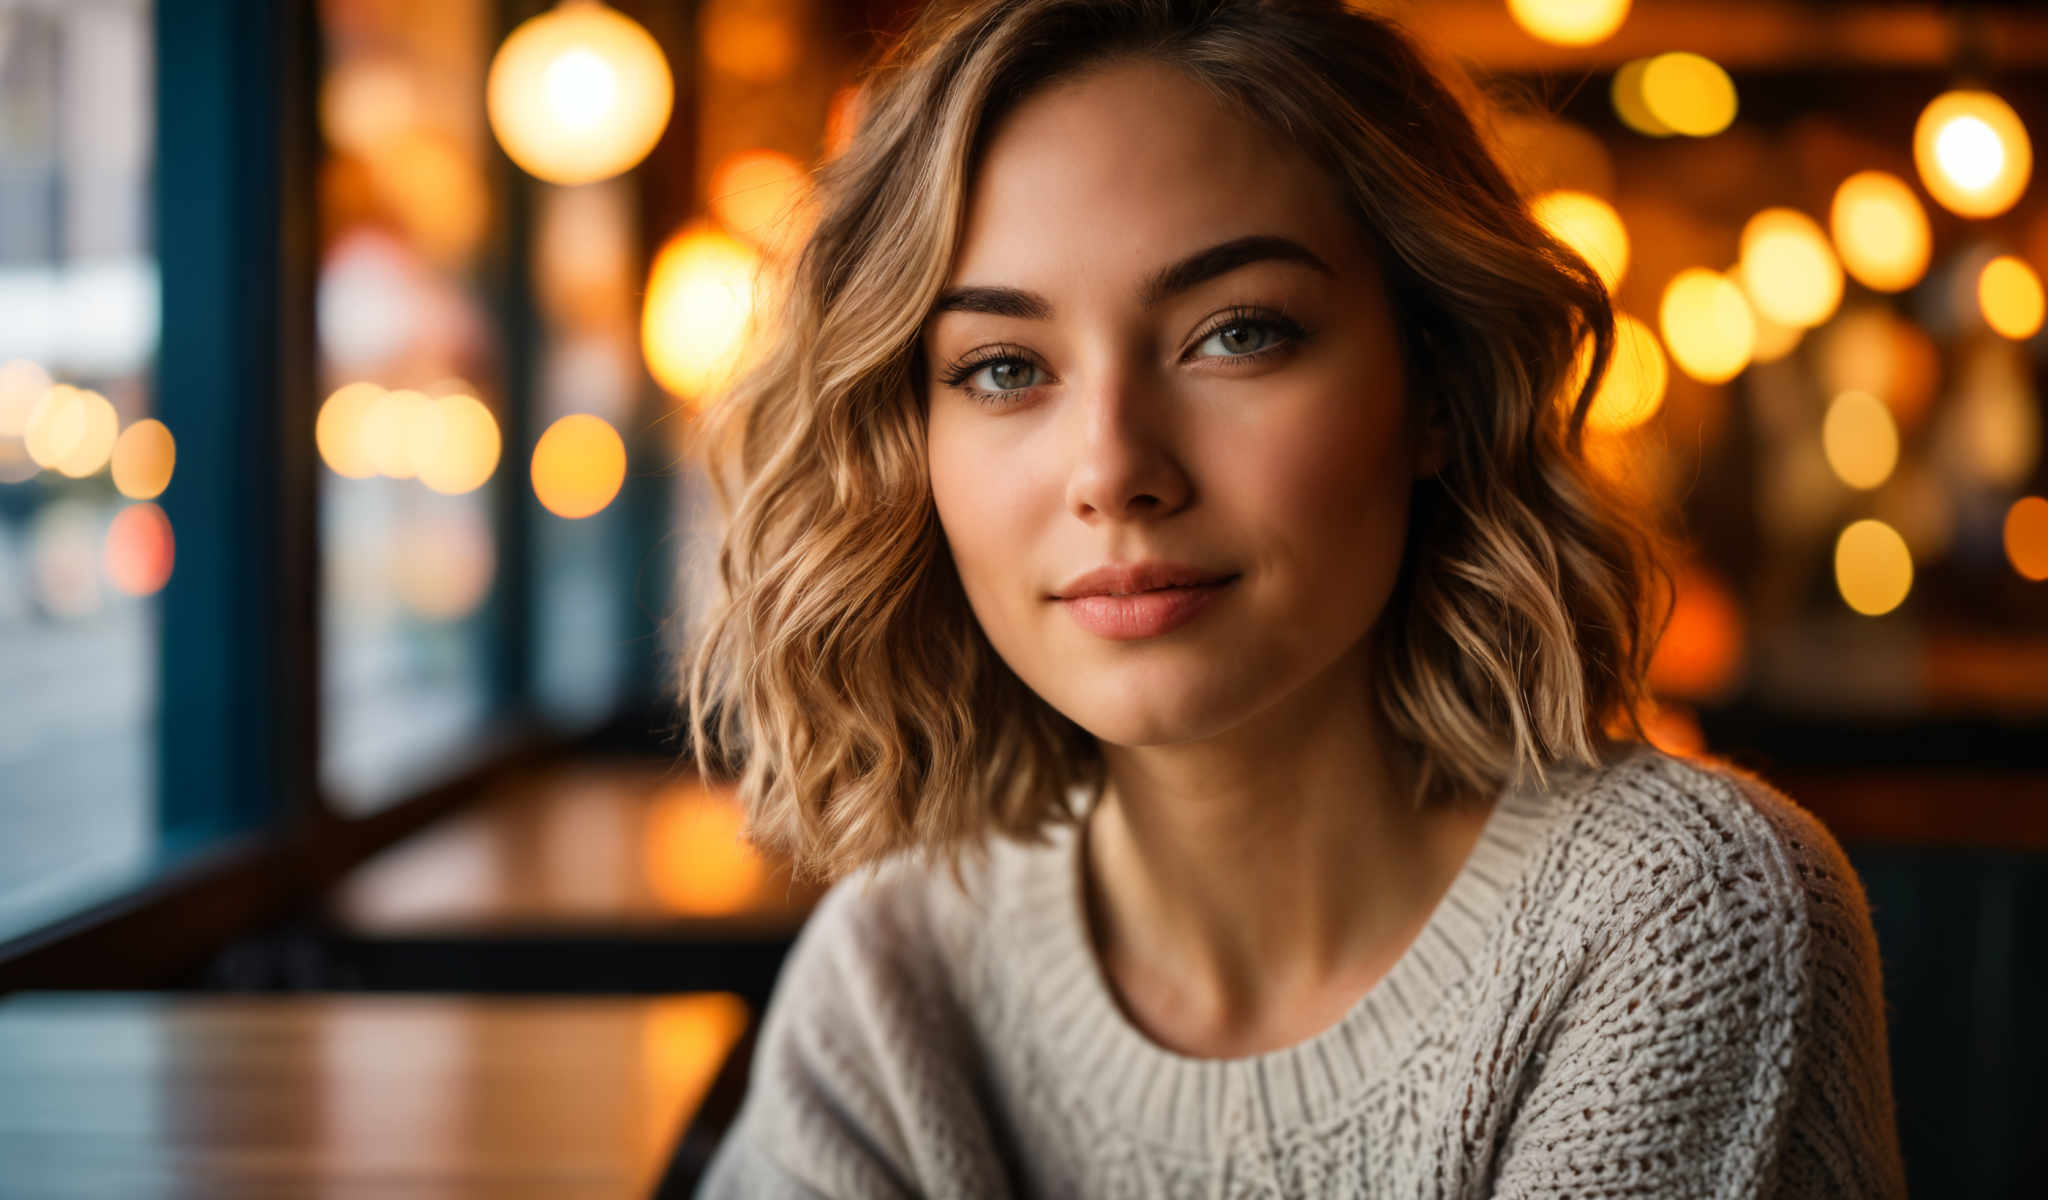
(1172, 1098)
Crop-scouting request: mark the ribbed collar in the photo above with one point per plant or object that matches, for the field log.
(1166, 1097)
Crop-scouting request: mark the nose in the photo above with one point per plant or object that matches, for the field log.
(1124, 464)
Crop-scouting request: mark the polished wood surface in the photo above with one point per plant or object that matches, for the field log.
(143, 1096)
(592, 847)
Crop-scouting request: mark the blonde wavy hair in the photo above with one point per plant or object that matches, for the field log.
(838, 670)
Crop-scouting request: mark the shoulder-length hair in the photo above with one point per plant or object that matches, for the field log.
(839, 666)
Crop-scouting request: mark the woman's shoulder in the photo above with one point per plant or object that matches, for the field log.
(1648, 835)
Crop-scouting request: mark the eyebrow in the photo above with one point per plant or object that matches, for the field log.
(1196, 269)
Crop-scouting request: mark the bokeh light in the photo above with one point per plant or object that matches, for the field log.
(579, 93)
(1707, 325)
(2009, 296)
(1774, 342)
(2026, 537)
(1788, 269)
(579, 464)
(1860, 440)
(71, 431)
(1880, 231)
(698, 864)
(746, 43)
(144, 456)
(444, 562)
(1973, 153)
(1633, 389)
(759, 195)
(1700, 655)
(1869, 348)
(399, 432)
(1687, 93)
(465, 445)
(140, 550)
(1569, 22)
(700, 297)
(1991, 422)
(1588, 225)
(338, 430)
(1873, 568)
(1629, 104)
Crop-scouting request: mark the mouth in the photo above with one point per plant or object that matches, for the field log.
(1129, 616)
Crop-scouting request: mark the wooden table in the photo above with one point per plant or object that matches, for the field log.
(145, 1096)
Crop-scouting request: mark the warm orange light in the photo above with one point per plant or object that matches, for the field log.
(2009, 296)
(71, 431)
(1633, 388)
(399, 432)
(1629, 105)
(2026, 537)
(1707, 325)
(1871, 349)
(1569, 22)
(697, 862)
(1973, 153)
(1700, 655)
(759, 195)
(140, 550)
(339, 430)
(1688, 93)
(1588, 225)
(1873, 567)
(1788, 269)
(700, 296)
(144, 456)
(579, 93)
(465, 445)
(1774, 342)
(745, 43)
(1860, 440)
(1881, 231)
(578, 466)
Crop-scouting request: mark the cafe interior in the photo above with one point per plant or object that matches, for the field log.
(350, 352)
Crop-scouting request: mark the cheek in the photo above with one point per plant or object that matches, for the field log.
(982, 512)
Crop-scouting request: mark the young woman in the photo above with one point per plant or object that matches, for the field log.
(1160, 576)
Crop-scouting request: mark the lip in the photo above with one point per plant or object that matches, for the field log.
(1143, 600)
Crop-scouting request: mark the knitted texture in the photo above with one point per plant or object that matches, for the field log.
(1653, 979)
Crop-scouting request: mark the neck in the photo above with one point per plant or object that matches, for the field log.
(1247, 884)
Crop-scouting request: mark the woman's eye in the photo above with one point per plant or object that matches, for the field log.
(1240, 338)
(1003, 375)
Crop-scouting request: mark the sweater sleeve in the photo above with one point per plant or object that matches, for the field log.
(1729, 1041)
(861, 1083)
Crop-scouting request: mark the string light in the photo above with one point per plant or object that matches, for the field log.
(1973, 153)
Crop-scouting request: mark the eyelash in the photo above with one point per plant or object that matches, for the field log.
(1291, 335)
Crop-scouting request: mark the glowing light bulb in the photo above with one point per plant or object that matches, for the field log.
(1569, 22)
(1873, 567)
(579, 93)
(1880, 231)
(1973, 153)
(1707, 325)
(464, 445)
(1588, 225)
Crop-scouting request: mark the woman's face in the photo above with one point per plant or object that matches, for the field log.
(1165, 340)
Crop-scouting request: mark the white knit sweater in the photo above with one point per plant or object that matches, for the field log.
(1654, 979)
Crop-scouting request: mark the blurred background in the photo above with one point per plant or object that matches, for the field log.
(347, 357)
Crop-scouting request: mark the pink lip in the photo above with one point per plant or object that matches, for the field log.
(1146, 614)
(1123, 579)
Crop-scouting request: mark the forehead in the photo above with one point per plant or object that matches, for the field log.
(1100, 178)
